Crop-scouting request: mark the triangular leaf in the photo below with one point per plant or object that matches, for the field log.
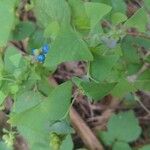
(101, 66)
(96, 11)
(97, 91)
(68, 46)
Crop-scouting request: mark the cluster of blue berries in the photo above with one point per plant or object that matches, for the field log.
(40, 54)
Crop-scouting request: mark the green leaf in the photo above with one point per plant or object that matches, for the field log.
(121, 146)
(45, 87)
(106, 138)
(97, 91)
(3, 146)
(101, 66)
(77, 81)
(2, 97)
(67, 143)
(68, 46)
(118, 18)
(79, 16)
(133, 68)
(14, 62)
(122, 88)
(59, 98)
(61, 127)
(124, 126)
(13, 88)
(15, 59)
(35, 140)
(37, 39)
(145, 147)
(142, 41)
(7, 19)
(52, 10)
(26, 100)
(96, 11)
(130, 52)
(139, 20)
(118, 6)
(51, 109)
(23, 30)
(147, 4)
(143, 81)
(52, 30)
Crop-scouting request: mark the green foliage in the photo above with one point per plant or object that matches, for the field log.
(13, 62)
(96, 11)
(49, 10)
(138, 20)
(117, 6)
(124, 88)
(23, 30)
(26, 100)
(62, 51)
(143, 81)
(121, 127)
(7, 19)
(146, 147)
(101, 66)
(80, 18)
(96, 91)
(51, 109)
(2, 97)
(114, 48)
(128, 129)
(118, 18)
(61, 127)
(3, 146)
(67, 143)
(121, 146)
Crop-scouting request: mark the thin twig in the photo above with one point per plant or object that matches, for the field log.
(89, 139)
(142, 105)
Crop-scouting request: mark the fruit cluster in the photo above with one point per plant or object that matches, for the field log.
(40, 54)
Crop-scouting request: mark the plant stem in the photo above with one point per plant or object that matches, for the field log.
(142, 105)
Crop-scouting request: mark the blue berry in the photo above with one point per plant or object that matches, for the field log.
(45, 49)
(40, 58)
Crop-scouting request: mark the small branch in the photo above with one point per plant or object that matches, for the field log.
(84, 131)
(142, 105)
